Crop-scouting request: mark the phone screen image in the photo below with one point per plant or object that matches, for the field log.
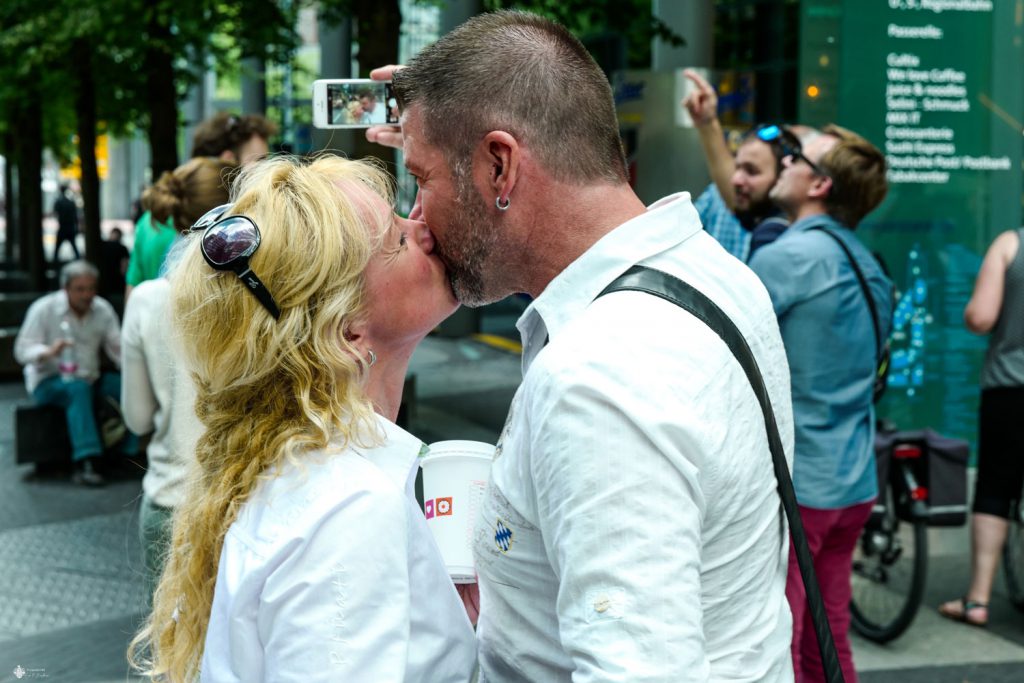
(366, 103)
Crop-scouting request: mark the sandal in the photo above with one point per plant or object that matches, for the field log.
(960, 609)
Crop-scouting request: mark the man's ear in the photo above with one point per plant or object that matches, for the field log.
(820, 187)
(500, 155)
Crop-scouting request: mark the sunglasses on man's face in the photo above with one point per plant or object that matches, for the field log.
(228, 244)
(800, 156)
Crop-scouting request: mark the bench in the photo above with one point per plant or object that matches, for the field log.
(41, 435)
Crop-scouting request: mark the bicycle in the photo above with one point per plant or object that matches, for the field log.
(923, 480)
(890, 563)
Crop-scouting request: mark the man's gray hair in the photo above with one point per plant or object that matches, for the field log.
(523, 74)
(80, 268)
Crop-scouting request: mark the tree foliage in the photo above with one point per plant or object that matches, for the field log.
(121, 65)
(588, 19)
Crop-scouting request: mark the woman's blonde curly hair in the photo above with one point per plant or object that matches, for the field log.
(267, 390)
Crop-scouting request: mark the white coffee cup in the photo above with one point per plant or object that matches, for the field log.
(455, 477)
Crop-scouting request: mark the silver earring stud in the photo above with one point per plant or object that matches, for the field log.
(373, 358)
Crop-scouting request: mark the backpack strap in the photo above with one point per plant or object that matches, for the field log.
(672, 289)
(863, 285)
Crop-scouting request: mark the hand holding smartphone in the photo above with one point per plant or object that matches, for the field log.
(353, 103)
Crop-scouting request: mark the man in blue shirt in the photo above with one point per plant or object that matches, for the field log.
(830, 342)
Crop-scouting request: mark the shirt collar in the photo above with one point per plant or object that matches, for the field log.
(398, 457)
(666, 223)
(63, 307)
(821, 220)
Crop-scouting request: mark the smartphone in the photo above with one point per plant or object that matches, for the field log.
(353, 103)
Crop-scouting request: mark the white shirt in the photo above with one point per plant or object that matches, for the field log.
(331, 574)
(631, 530)
(157, 393)
(41, 328)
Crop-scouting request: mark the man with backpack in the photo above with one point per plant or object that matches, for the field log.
(834, 306)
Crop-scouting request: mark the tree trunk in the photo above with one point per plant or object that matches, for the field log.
(29, 155)
(85, 113)
(161, 97)
(378, 23)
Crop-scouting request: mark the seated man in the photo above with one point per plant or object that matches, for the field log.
(91, 322)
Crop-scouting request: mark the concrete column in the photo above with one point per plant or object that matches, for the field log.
(694, 21)
(254, 86)
(455, 12)
(335, 62)
(198, 103)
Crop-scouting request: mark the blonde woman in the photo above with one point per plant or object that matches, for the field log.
(156, 393)
(300, 553)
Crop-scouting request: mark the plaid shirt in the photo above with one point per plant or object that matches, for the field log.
(721, 224)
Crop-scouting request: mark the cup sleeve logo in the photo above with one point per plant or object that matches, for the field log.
(428, 508)
(443, 506)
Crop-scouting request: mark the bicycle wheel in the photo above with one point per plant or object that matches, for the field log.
(1013, 558)
(890, 565)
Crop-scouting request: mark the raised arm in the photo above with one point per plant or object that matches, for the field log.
(982, 310)
(702, 105)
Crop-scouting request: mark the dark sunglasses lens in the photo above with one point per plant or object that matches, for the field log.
(230, 239)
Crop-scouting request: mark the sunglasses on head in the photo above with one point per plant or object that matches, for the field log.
(228, 244)
(789, 145)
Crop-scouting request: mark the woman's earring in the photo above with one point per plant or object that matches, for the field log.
(373, 358)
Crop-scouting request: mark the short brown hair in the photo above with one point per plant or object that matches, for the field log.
(858, 172)
(523, 74)
(189, 191)
(225, 131)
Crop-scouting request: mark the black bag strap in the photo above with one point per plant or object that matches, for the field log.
(863, 286)
(674, 290)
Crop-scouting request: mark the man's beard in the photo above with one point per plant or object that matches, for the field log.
(752, 216)
(472, 237)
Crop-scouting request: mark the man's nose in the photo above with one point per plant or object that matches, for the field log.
(423, 236)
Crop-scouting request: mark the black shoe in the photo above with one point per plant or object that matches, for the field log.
(86, 474)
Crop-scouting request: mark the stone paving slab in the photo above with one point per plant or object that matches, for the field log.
(69, 574)
(91, 653)
(969, 673)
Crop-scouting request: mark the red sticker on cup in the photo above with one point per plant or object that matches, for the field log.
(444, 506)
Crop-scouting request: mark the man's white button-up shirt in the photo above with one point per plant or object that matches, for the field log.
(632, 530)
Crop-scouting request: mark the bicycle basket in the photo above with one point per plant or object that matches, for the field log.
(941, 468)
